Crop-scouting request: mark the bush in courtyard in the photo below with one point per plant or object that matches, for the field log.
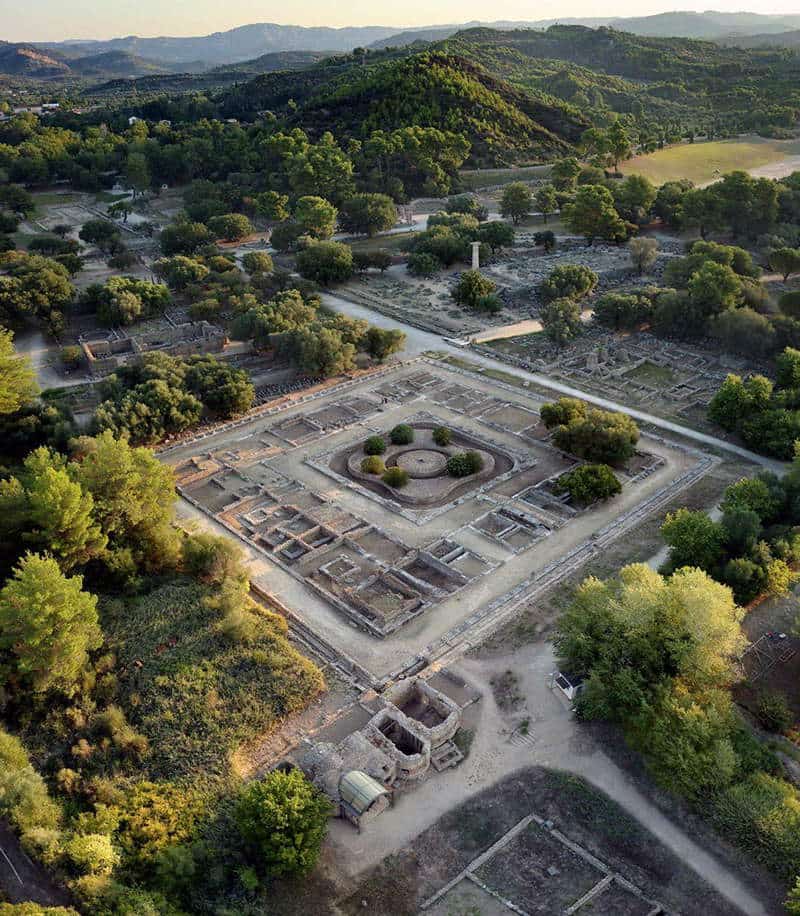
(464, 464)
(589, 483)
(373, 464)
(402, 434)
(395, 477)
(442, 436)
(375, 445)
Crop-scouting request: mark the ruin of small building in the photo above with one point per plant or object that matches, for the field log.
(117, 349)
(410, 732)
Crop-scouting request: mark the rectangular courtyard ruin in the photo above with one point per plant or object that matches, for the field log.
(395, 577)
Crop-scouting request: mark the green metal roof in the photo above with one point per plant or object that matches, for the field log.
(359, 790)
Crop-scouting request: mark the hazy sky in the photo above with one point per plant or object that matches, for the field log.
(51, 20)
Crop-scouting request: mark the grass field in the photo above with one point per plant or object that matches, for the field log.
(487, 178)
(704, 162)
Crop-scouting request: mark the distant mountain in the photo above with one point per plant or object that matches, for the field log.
(252, 41)
(709, 25)
(29, 61)
(112, 64)
(216, 78)
(767, 40)
(243, 43)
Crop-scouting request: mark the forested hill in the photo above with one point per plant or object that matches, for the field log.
(430, 89)
(621, 53)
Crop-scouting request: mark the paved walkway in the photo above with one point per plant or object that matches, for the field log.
(419, 341)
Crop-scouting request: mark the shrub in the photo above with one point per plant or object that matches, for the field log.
(71, 356)
(375, 445)
(773, 711)
(402, 434)
(422, 264)
(395, 477)
(569, 281)
(442, 436)
(464, 464)
(589, 483)
(284, 818)
(789, 303)
(472, 288)
(373, 464)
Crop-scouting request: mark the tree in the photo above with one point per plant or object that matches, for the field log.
(326, 263)
(634, 198)
(714, 288)
(225, 390)
(100, 232)
(622, 311)
(589, 483)
(742, 330)
(381, 343)
(787, 364)
(497, 235)
(516, 201)
(134, 495)
(184, 237)
(180, 271)
(702, 208)
(17, 376)
(563, 412)
(422, 264)
(632, 635)
(60, 515)
(48, 625)
(137, 172)
(471, 286)
(34, 288)
(561, 320)
(318, 351)
(546, 239)
(644, 253)
(315, 217)
(694, 539)
(257, 262)
(272, 205)
(569, 281)
(737, 399)
(546, 200)
(232, 227)
(593, 215)
(599, 436)
(285, 235)
(284, 819)
(618, 144)
(564, 174)
(668, 205)
(367, 214)
(786, 261)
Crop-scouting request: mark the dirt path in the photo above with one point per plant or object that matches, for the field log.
(419, 341)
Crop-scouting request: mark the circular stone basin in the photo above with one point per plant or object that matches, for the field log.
(422, 462)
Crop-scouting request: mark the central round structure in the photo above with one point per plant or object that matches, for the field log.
(422, 462)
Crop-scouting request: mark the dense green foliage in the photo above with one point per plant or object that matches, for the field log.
(755, 544)
(764, 413)
(284, 818)
(589, 483)
(598, 435)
